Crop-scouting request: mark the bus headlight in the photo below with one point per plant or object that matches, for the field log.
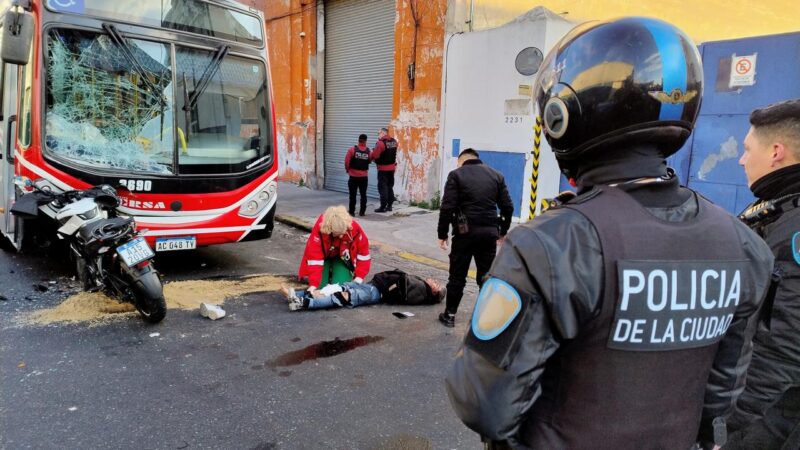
(257, 201)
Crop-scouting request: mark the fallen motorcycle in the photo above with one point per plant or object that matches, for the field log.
(108, 252)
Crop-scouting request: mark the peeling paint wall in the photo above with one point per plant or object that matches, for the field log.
(291, 35)
(415, 112)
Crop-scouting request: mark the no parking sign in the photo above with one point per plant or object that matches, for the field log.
(743, 70)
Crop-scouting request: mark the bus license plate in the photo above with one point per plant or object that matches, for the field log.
(135, 251)
(170, 244)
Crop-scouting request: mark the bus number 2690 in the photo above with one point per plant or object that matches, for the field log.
(137, 185)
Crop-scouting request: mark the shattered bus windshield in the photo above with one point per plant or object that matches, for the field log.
(100, 111)
(193, 16)
(105, 112)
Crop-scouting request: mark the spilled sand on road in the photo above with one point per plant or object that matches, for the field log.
(96, 307)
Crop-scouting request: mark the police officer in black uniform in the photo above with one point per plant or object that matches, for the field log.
(356, 163)
(771, 399)
(621, 318)
(385, 156)
(472, 196)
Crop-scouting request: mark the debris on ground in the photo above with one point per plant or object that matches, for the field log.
(213, 312)
(96, 307)
(155, 334)
(40, 287)
(3, 298)
(83, 307)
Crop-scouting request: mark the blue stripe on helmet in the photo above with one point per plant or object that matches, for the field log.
(673, 64)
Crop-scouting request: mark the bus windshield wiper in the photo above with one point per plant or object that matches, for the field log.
(125, 48)
(202, 84)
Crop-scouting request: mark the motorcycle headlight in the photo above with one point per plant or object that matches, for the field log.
(90, 214)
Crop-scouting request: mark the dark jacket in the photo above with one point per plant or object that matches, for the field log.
(399, 287)
(555, 263)
(357, 165)
(385, 158)
(478, 191)
(775, 368)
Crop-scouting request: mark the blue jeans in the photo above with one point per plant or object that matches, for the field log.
(359, 294)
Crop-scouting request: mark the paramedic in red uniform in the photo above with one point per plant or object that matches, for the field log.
(335, 236)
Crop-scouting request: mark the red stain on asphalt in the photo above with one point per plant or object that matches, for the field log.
(324, 349)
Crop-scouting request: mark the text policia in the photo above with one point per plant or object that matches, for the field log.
(666, 305)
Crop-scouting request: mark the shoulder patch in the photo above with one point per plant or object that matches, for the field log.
(796, 247)
(497, 305)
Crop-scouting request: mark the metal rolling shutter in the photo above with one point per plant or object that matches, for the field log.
(359, 71)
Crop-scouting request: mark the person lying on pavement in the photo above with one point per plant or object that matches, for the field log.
(393, 286)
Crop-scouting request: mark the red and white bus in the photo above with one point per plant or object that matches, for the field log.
(168, 100)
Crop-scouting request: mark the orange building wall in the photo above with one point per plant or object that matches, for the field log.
(292, 58)
(415, 113)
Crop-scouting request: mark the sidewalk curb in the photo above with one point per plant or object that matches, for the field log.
(293, 221)
(301, 224)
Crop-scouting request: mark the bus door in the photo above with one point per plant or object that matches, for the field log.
(8, 138)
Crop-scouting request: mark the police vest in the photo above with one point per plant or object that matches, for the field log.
(636, 374)
(389, 155)
(360, 159)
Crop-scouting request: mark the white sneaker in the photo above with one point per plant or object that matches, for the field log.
(291, 295)
(296, 304)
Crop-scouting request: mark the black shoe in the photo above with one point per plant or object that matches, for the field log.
(388, 209)
(362, 213)
(447, 319)
(352, 213)
(380, 210)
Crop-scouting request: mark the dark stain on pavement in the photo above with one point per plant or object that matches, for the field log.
(324, 349)
(296, 339)
(405, 442)
(266, 446)
(285, 373)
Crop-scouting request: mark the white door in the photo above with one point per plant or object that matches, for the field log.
(8, 127)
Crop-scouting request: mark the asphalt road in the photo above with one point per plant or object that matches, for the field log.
(261, 378)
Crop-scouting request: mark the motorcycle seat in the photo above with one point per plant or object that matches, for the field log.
(105, 228)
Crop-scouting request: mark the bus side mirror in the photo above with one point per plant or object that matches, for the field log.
(17, 37)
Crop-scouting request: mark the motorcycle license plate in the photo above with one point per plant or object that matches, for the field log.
(135, 251)
(181, 243)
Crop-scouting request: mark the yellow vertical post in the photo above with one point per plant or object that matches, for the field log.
(537, 140)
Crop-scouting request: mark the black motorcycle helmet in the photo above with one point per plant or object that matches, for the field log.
(105, 196)
(616, 83)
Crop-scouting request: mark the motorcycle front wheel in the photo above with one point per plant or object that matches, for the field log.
(149, 295)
